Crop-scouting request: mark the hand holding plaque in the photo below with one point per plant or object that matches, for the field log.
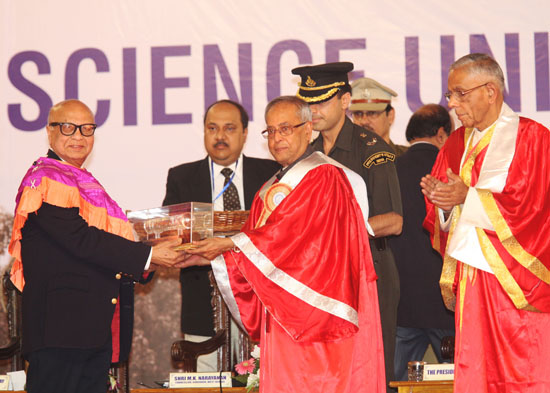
(165, 255)
(211, 248)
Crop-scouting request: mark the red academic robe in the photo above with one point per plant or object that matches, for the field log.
(304, 285)
(502, 319)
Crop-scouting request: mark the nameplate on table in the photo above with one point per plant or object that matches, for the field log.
(4, 382)
(200, 380)
(439, 372)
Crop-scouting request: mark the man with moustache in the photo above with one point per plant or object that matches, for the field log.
(73, 248)
(488, 212)
(371, 108)
(228, 179)
(299, 276)
(326, 89)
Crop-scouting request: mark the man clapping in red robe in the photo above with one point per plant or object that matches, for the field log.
(488, 212)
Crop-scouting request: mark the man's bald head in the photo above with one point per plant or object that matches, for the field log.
(75, 148)
(62, 106)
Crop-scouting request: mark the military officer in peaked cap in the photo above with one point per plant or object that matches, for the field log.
(371, 107)
(326, 88)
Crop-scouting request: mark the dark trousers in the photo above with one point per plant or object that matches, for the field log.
(388, 300)
(412, 343)
(68, 370)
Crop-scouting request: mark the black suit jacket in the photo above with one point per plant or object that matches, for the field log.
(419, 265)
(191, 183)
(71, 279)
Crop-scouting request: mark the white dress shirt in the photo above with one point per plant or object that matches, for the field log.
(217, 180)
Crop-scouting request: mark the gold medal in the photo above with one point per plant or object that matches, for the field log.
(272, 198)
(275, 195)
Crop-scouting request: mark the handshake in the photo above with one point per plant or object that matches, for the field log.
(165, 252)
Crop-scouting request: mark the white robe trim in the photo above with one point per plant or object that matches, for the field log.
(291, 285)
(292, 178)
(464, 244)
(295, 175)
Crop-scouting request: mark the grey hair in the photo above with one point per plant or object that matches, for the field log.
(481, 64)
(302, 108)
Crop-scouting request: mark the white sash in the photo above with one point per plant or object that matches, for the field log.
(295, 175)
(292, 178)
(464, 245)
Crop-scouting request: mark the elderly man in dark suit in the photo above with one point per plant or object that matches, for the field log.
(422, 318)
(226, 178)
(73, 248)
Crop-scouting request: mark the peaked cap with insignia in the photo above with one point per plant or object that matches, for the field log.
(321, 82)
(370, 95)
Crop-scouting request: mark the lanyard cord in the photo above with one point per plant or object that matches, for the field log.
(214, 182)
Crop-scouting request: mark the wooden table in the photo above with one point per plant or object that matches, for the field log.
(402, 387)
(423, 386)
(190, 390)
(165, 390)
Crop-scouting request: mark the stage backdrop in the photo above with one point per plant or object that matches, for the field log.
(148, 69)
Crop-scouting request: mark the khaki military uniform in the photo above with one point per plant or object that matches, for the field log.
(373, 159)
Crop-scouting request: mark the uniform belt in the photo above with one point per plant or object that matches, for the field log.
(380, 243)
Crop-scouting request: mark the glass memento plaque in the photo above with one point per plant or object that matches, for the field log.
(190, 221)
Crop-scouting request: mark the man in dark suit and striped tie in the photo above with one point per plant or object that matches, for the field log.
(229, 180)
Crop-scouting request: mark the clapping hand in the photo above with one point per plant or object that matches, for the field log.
(444, 195)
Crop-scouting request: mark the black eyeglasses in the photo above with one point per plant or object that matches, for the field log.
(459, 94)
(69, 129)
(284, 130)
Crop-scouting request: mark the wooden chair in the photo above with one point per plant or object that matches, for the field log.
(121, 372)
(13, 349)
(184, 353)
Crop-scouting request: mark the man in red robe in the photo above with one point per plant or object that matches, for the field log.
(488, 212)
(300, 277)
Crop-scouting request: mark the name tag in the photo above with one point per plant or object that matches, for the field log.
(4, 382)
(200, 380)
(17, 380)
(439, 372)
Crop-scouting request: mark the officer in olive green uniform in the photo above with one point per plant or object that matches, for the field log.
(326, 88)
(371, 108)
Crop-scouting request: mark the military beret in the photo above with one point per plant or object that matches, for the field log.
(321, 82)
